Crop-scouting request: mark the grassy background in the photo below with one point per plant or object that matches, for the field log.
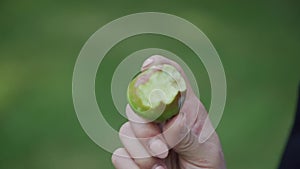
(258, 42)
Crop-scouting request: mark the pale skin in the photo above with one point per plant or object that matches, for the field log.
(173, 145)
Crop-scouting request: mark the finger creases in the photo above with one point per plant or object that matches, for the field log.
(122, 160)
(135, 149)
(149, 135)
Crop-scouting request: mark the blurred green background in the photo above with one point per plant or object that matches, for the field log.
(258, 42)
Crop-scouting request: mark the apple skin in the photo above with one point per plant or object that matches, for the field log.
(162, 111)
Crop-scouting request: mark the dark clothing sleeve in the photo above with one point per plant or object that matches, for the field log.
(291, 156)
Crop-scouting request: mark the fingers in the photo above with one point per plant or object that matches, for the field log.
(196, 120)
(185, 140)
(144, 141)
(135, 149)
(178, 135)
(122, 160)
(174, 132)
(149, 135)
(194, 108)
(181, 132)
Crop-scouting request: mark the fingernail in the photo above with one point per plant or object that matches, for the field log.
(147, 62)
(158, 148)
(158, 167)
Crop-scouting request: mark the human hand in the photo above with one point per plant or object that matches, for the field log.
(173, 145)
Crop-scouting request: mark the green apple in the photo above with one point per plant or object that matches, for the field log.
(157, 93)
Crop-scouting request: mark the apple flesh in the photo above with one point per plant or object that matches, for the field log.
(157, 93)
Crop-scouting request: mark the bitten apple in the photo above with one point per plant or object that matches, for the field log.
(157, 93)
